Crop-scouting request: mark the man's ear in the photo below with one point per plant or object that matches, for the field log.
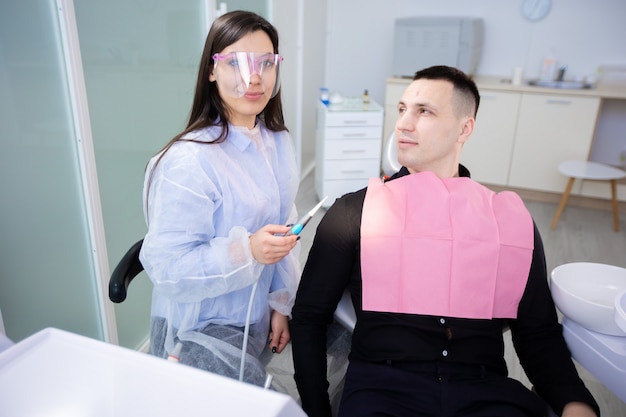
(467, 129)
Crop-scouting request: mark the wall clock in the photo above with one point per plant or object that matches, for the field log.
(535, 10)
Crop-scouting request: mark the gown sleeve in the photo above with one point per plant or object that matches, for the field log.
(181, 253)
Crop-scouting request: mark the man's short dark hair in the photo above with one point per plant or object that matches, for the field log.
(463, 84)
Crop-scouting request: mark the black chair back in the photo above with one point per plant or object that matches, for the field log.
(127, 269)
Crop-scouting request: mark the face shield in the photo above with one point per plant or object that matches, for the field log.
(235, 72)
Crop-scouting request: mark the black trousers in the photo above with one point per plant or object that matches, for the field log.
(434, 390)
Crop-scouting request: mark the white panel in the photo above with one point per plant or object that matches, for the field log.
(90, 378)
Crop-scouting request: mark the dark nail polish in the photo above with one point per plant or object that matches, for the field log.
(274, 349)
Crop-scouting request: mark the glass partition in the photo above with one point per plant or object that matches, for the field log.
(46, 268)
(140, 61)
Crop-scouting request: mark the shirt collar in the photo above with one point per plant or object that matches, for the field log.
(463, 172)
(242, 137)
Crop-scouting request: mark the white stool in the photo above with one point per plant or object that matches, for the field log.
(588, 170)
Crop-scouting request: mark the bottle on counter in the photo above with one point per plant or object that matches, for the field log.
(324, 96)
(366, 97)
(548, 67)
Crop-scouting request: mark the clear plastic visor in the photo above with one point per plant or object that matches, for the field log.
(237, 73)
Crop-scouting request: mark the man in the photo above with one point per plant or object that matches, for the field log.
(437, 266)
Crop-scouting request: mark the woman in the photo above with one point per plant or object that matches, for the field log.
(216, 201)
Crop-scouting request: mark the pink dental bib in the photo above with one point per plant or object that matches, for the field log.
(446, 247)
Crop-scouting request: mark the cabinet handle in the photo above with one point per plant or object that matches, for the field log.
(353, 151)
(355, 122)
(558, 101)
(354, 135)
(351, 171)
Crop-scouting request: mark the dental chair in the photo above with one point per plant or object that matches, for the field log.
(127, 269)
(390, 164)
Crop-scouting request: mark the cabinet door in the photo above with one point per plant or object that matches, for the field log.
(487, 153)
(551, 129)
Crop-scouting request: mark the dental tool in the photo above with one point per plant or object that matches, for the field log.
(246, 332)
(297, 228)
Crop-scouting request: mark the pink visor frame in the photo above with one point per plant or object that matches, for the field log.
(235, 77)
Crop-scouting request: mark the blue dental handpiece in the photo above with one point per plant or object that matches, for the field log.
(297, 228)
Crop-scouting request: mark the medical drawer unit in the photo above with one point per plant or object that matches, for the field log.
(348, 147)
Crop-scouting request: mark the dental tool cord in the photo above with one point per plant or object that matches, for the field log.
(246, 330)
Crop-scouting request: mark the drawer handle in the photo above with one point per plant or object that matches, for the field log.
(557, 101)
(351, 171)
(355, 122)
(353, 151)
(354, 135)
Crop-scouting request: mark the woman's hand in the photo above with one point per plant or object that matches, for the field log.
(267, 247)
(279, 333)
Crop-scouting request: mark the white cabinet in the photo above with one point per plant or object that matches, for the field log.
(550, 130)
(487, 153)
(348, 147)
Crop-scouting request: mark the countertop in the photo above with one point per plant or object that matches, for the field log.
(612, 91)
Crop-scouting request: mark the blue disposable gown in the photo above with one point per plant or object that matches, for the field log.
(201, 204)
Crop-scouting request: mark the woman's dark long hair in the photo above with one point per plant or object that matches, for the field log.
(208, 108)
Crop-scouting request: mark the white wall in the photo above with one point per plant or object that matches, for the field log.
(583, 33)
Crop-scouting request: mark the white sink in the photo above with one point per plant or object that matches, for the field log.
(586, 293)
(620, 310)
